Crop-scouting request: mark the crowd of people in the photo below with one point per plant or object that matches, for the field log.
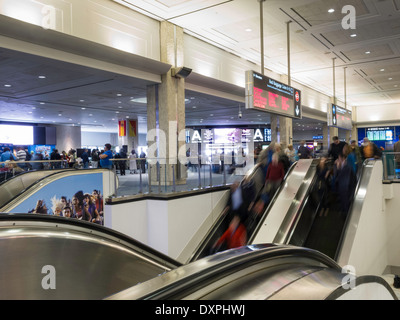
(22, 160)
(336, 182)
(82, 206)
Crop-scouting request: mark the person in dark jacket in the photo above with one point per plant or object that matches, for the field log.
(336, 148)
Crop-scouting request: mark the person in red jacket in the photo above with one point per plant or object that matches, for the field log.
(275, 174)
(235, 236)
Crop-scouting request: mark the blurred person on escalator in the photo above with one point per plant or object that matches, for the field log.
(336, 148)
(345, 183)
(303, 152)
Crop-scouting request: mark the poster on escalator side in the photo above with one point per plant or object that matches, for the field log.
(75, 197)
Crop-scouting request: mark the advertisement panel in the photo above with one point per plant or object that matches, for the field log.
(77, 197)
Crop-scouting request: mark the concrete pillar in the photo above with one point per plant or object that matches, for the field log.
(275, 134)
(328, 133)
(285, 131)
(166, 113)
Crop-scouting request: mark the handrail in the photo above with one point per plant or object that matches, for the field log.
(271, 203)
(205, 270)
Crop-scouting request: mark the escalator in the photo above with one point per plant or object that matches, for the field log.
(260, 272)
(304, 223)
(88, 261)
(257, 176)
(323, 230)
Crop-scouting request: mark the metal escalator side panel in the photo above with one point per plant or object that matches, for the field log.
(89, 261)
(354, 215)
(277, 221)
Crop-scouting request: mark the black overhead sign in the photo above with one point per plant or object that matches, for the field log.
(269, 95)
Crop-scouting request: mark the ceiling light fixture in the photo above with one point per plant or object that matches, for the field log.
(8, 85)
(367, 52)
(353, 35)
(331, 10)
(42, 77)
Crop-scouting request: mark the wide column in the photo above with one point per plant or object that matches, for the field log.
(166, 114)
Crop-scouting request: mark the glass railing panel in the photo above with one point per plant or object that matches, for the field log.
(391, 166)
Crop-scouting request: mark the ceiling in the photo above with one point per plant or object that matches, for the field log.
(47, 91)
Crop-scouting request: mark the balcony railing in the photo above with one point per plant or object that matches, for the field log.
(149, 176)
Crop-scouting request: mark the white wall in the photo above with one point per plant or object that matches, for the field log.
(165, 225)
(392, 209)
(101, 21)
(98, 138)
(379, 115)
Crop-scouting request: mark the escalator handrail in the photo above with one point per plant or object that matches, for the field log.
(271, 204)
(88, 227)
(53, 172)
(299, 212)
(220, 264)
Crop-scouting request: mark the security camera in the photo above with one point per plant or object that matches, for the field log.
(240, 115)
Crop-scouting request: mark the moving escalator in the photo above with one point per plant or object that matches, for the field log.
(323, 230)
(257, 178)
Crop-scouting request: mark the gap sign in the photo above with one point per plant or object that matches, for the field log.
(269, 95)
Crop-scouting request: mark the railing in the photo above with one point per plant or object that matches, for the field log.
(149, 175)
(391, 166)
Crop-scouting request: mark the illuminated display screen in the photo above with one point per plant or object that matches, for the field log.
(380, 134)
(266, 94)
(339, 117)
(17, 135)
(227, 135)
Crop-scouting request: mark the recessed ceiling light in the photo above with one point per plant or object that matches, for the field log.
(90, 115)
(42, 77)
(248, 30)
(331, 10)
(119, 94)
(8, 85)
(116, 111)
(353, 35)
(83, 108)
(390, 78)
(42, 103)
(367, 52)
(60, 114)
(81, 100)
(382, 70)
